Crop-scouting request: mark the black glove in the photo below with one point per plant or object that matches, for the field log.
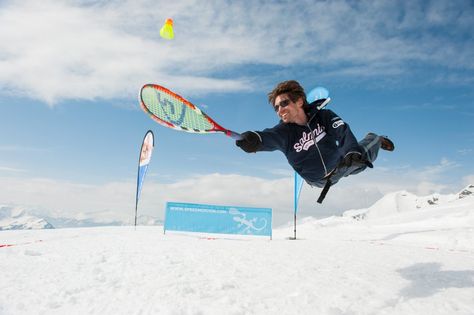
(356, 159)
(250, 142)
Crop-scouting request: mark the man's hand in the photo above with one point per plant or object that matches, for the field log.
(250, 142)
(355, 158)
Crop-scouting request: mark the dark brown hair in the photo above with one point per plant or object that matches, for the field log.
(291, 87)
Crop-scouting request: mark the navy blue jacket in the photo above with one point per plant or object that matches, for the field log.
(313, 160)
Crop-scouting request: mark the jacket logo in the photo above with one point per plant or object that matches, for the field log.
(307, 140)
(337, 124)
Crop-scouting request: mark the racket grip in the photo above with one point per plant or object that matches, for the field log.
(233, 134)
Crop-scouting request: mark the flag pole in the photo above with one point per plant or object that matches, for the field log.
(295, 226)
(136, 208)
(297, 190)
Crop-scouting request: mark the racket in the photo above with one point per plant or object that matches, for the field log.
(173, 111)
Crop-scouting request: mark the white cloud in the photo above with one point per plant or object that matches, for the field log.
(55, 50)
(468, 180)
(116, 200)
(465, 151)
(67, 199)
(11, 169)
(431, 172)
(18, 148)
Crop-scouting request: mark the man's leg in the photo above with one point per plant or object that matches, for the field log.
(370, 146)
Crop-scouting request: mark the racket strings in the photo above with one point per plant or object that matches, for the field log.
(171, 109)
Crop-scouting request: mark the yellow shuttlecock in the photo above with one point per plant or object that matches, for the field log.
(167, 30)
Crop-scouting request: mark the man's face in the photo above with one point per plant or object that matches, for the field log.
(286, 109)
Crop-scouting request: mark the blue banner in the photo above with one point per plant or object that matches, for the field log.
(144, 159)
(298, 185)
(218, 219)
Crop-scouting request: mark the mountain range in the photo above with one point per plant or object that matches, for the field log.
(21, 218)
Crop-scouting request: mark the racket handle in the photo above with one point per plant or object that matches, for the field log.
(233, 134)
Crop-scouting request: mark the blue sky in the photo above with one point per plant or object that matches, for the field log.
(71, 126)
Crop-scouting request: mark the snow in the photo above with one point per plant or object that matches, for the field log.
(403, 255)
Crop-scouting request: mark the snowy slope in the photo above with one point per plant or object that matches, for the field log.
(402, 201)
(15, 218)
(408, 261)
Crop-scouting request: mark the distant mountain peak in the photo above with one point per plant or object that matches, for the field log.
(14, 217)
(402, 201)
(468, 191)
(18, 218)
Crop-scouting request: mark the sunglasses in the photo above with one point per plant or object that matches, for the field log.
(282, 104)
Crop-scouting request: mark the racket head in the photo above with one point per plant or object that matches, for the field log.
(173, 111)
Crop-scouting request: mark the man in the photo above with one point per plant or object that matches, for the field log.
(318, 144)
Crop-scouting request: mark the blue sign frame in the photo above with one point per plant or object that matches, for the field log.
(203, 218)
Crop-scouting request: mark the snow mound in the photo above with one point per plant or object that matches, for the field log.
(396, 203)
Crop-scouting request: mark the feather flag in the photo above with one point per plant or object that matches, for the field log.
(145, 156)
(298, 185)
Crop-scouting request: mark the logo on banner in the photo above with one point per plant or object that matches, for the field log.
(248, 225)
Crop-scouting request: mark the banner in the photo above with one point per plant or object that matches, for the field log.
(218, 219)
(298, 185)
(144, 159)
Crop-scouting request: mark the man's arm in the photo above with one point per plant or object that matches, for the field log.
(269, 139)
(250, 142)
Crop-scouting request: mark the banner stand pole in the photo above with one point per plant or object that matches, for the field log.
(295, 226)
(136, 208)
(294, 229)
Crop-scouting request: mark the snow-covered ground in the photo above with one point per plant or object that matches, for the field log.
(404, 255)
